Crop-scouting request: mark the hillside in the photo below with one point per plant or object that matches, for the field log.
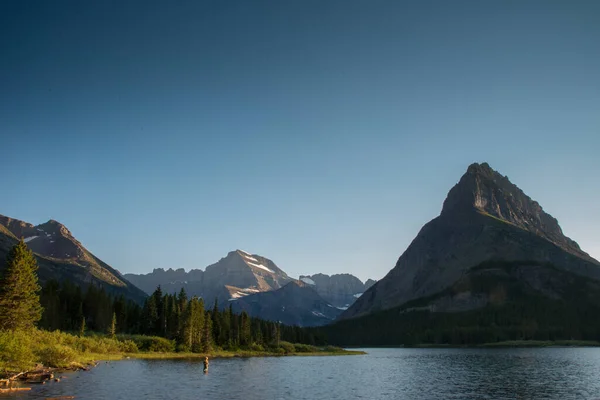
(62, 257)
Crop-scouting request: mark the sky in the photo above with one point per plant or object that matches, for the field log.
(320, 134)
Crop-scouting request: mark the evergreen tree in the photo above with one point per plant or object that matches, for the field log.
(82, 328)
(216, 324)
(52, 317)
(149, 316)
(19, 299)
(207, 339)
(113, 326)
(160, 322)
(245, 330)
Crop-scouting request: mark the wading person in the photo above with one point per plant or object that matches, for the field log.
(206, 365)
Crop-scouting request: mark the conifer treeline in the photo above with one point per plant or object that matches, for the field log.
(187, 321)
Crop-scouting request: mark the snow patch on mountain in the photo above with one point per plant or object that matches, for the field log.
(307, 280)
(260, 266)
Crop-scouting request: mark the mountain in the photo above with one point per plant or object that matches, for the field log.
(170, 280)
(297, 303)
(340, 290)
(60, 256)
(492, 251)
(239, 271)
(485, 217)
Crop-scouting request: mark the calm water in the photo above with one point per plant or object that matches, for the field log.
(551, 373)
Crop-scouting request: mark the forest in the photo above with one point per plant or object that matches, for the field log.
(188, 322)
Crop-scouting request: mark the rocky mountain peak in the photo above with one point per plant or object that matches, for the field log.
(484, 190)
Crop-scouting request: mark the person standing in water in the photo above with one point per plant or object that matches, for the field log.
(206, 365)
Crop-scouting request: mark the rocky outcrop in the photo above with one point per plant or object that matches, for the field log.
(340, 290)
(485, 217)
(61, 256)
(296, 303)
(170, 280)
(238, 272)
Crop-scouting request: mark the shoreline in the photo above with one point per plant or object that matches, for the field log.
(228, 354)
(15, 381)
(503, 344)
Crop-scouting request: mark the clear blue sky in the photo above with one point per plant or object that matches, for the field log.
(321, 134)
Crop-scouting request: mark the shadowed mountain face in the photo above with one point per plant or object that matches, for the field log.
(60, 256)
(238, 274)
(294, 304)
(340, 290)
(484, 218)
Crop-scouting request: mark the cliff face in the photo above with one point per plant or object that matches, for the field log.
(484, 217)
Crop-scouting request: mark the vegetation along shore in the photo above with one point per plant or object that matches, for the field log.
(70, 329)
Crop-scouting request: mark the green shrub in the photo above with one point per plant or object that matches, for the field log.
(57, 355)
(129, 346)
(305, 348)
(150, 343)
(287, 347)
(15, 351)
(183, 348)
(256, 347)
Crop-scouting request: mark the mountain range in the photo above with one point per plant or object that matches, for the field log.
(240, 278)
(254, 283)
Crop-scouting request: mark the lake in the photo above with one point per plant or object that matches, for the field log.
(535, 373)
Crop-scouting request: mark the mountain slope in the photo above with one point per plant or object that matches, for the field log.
(294, 304)
(485, 217)
(60, 256)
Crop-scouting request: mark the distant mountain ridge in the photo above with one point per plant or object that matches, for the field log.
(340, 290)
(61, 256)
(296, 303)
(239, 271)
(484, 218)
(243, 280)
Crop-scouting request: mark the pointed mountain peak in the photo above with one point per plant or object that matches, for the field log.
(481, 189)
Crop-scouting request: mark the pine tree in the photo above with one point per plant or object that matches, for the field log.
(245, 330)
(113, 326)
(19, 299)
(149, 316)
(82, 328)
(207, 339)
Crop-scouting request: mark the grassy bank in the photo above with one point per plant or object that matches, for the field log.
(22, 350)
